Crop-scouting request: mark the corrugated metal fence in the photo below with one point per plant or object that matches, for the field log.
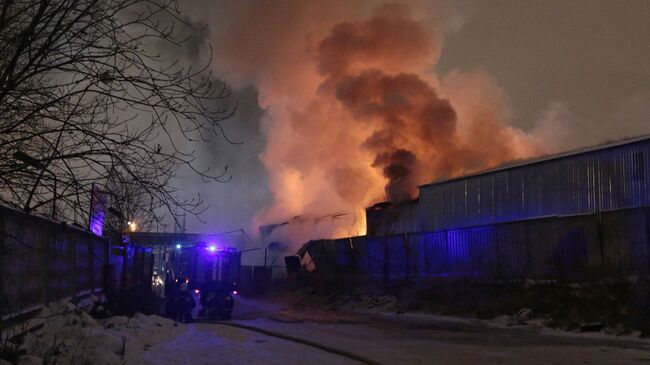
(573, 247)
(42, 260)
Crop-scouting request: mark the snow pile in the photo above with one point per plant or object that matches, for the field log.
(65, 334)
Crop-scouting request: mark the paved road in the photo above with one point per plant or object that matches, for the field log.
(387, 339)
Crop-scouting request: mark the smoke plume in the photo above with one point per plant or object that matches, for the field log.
(353, 111)
(373, 69)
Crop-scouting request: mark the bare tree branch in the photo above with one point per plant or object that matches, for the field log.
(83, 92)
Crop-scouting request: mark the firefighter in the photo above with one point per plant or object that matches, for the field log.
(183, 304)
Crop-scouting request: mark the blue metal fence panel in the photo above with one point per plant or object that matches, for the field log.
(397, 264)
(83, 262)
(361, 255)
(344, 257)
(458, 251)
(376, 247)
(437, 253)
(417, 258)
(483, 251)
(576, 246)
(512, 250)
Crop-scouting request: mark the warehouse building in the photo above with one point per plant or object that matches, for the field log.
(587, 181)
(575, 216)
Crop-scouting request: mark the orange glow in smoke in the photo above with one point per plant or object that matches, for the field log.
(355, 115)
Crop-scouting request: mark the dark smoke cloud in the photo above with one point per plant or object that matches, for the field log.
(366, 66)
(390, 40)
(399, 167)
(409, 111)
(327, 141)
(352, 110)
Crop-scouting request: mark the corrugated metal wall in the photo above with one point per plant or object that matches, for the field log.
(600, 180)
(572, 247)
(386, 219)
(42, 260)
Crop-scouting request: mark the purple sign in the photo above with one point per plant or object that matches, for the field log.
(98, 200)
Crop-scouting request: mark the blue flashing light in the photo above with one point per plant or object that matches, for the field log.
(212, 248)
(178, 246)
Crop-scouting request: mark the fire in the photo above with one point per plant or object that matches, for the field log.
(354, 113)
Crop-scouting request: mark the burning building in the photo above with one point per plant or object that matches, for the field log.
(586, 181)
(563, 216)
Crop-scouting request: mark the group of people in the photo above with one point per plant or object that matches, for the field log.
(180, 302)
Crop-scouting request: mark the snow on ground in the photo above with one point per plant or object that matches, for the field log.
(68, 335)
(65, 334)
(387, 305)
(208, 344)
(409, 340)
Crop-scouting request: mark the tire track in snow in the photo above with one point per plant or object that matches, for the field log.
(320, 346)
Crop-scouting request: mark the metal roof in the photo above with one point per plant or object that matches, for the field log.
(535, 160)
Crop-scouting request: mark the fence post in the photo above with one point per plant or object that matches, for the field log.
(45, 264)
(406, 255)
(601, 243)
(529, 258)
(369, 257)
(427, 250)
(3, 253)
(75, 274)
(385, 267)
(497, 249)
(353, 256)
(647, 240)
(91, 265)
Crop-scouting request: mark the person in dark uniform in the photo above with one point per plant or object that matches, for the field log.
(182, 305)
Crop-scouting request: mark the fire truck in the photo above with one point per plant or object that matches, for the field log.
(211, 273)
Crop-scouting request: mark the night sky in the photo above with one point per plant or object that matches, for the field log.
(558, 74)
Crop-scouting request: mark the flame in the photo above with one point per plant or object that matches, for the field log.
(355, 115)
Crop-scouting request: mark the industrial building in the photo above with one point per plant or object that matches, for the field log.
(577, 215)
(586, 181)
